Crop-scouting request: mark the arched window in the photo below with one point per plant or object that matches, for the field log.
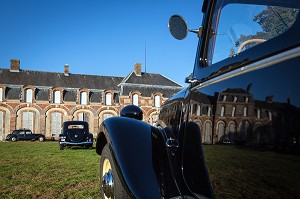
(135, 99)
(108, 99)
(56, 97)
(28, 120)
(56, 123)
(207, 132)
(83, 117)
(107, 115)
(221, 131)
(28, 95)
(83, 98)
(157, 101)
(1, 94)
(1, 125)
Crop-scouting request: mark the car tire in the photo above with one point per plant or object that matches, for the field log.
(61, 147)
(107, 167)
(41, 139)
(13, 139)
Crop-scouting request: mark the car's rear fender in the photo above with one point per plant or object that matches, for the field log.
(130, 143)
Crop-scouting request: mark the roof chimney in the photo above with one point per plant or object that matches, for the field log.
(14, 65)
(66, 70)
(138, 69)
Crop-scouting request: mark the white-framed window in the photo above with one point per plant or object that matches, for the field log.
(246, 99)
(235, 99)
(157, 101)
(83, 116)
(83, 98)
(56, 95)
(198, 110)
(224, 98)
(56, 123)
(209, 111)
(28, 120)
(135, 99)
(270, 115)
(245, 111)
(1, 125)
(233, 111)
(107, 115)
(222, 111)
(28, 95)
(258, 113)
(108, 99)
(1, 94)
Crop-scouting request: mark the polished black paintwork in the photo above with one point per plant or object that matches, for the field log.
(258, 108)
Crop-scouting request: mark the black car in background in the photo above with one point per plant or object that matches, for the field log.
(24, 134)
(75, 133)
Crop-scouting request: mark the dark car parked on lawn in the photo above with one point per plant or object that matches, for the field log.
(244, 90)
(24, 134)
(75, 133)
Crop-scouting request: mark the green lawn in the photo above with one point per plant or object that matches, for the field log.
(41, 170)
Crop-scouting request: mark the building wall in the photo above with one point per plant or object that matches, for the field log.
(46, 116)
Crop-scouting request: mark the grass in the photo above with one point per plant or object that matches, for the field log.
(41, 170)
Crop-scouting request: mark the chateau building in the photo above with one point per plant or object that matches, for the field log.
(42, 101)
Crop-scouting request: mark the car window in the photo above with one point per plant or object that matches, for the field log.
(28, 132)
(21, 133)
(239, 27)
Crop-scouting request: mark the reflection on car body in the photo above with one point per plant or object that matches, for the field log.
(244, 91)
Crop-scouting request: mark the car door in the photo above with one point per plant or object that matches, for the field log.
(28, 135)
(246, 86)
(21, 135)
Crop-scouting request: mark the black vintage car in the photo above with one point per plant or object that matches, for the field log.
(24, 134)
(244, 91)
(75, 133)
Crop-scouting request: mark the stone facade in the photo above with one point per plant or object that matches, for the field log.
(42, 101)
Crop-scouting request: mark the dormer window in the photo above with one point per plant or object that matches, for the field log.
(108, 99)
(56, 97)
(135, 99)
(157, 101)
(28, 95)
(83, 98)
(235, 99)
(246, 99)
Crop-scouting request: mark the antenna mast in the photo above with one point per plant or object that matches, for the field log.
(145, 57)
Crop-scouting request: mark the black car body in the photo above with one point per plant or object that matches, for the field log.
(75, 133)
(23, 135)
(244, 90)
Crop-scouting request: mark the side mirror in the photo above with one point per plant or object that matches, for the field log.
(132, 111)
(178, 27)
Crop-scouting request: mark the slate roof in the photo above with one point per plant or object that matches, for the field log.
(147, 84)
(149, 79)
(51, 79)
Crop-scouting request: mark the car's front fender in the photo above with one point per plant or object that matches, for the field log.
(131, 146)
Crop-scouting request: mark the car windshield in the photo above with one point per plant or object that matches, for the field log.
(238, 27)
(16, 132)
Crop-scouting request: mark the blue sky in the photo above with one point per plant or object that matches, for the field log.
(98, 37)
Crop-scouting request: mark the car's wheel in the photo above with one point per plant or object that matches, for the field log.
(61, 147)
(13, 139)
(41, 139)
(110, 184)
